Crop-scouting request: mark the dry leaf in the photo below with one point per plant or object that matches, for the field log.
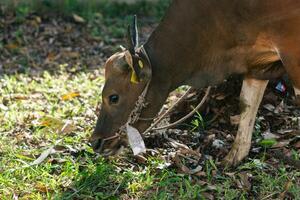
(3, 107)
(78, 19)
(43, 156)
(267, 135)
(244, 180)
(230, 174)
(41, 187)
(279, 108)
(269, 107)
(297, 145)
(11, 46)
(184, 168)
(135, 140)
(68, 127)
(71, 54)
(196, 170)
(50, 121)
(51, 57)
(287, 186)
(38, 19)
(140, 159)
(70, 96)
(218, 144)
(208, 196)
(20, 97)
(281, 144)
(201, 174)
(220, 97)
(56, 124)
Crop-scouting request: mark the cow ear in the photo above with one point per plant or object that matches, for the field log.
(130, 61)
(139, 68)
(145, 72)
(133, 36)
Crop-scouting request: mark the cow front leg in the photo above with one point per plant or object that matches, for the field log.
(250, 98)
(297, 96)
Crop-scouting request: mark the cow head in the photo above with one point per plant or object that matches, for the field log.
(126, 75)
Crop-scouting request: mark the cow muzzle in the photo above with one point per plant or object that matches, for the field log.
(108, 146)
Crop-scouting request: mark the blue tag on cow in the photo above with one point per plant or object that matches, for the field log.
(281, 87)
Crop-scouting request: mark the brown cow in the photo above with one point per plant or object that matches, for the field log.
(201, 43)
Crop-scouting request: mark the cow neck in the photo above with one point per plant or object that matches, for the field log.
(170, 52)
(180, 47)
(139, 104)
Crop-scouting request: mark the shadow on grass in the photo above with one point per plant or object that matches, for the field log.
(97, 180)
(102, 180)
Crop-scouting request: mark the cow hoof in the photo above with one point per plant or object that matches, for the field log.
(234, 157)
(297, 101)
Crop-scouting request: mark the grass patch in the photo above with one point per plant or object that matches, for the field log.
(104, 19)
(75, 172)
(86, 9)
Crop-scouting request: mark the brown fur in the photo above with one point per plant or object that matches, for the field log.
(201, 43)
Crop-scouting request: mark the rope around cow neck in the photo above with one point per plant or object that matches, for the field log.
(152, 127)
(183, 118)
(140, 104)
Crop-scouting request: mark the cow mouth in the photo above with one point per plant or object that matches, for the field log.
(109, 147)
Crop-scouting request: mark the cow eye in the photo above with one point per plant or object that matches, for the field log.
(113, 99)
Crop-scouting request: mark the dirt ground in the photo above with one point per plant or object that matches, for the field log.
(37, 44)
(45, 43)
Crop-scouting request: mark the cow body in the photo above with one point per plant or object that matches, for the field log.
(202, 42)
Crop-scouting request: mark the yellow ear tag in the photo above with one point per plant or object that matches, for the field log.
(141, 64)
(134, 78)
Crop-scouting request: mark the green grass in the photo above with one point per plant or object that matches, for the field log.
(27, 103)
(103, 18)
(75, 172)
(86, 9)
(26, 100)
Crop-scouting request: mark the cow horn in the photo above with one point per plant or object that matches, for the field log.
(135, 33)
(132, 36)
(122, 48)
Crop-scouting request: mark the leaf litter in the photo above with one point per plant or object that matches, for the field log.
(197, 153)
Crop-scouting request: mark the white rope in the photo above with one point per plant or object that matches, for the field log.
(141, 103)
(185, 117)
(162, 116)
